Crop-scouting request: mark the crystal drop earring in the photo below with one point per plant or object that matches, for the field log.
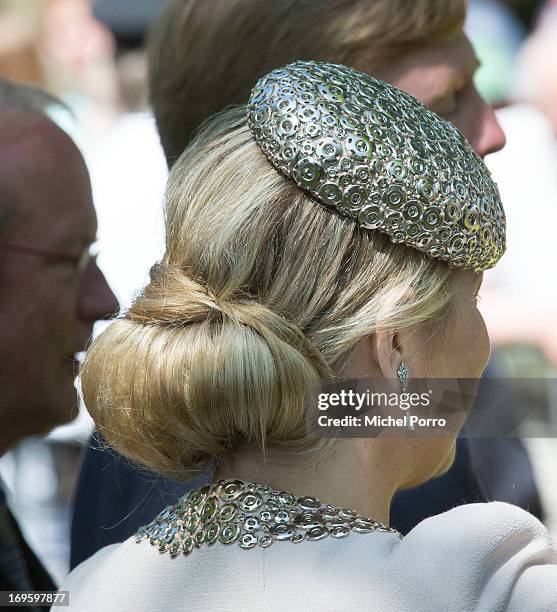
(403, 374)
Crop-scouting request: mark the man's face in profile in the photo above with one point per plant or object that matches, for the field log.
(442, 78)
(51, 296)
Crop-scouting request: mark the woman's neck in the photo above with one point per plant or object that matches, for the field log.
(355, 475)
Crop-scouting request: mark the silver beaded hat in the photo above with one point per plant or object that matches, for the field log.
(377, 155)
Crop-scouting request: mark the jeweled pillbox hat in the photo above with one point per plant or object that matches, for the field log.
(380, 157)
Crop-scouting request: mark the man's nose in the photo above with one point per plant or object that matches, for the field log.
(491, 137)
(96, 300)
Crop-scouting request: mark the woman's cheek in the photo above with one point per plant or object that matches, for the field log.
(480, 348)
(486, 342)
(468, 346)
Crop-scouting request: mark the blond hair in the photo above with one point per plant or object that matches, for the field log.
(205, 56)
(261, 292)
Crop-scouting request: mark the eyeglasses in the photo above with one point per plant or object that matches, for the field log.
(80, 262)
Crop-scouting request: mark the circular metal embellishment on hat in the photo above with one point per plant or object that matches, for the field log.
(289, 153)
(330, 193)
(359, 146)
(371, 217)
(413, 211)
(394, 196)
(309, 173)
(355, 197)
(308, 113)
(368, 150)
(397, 169)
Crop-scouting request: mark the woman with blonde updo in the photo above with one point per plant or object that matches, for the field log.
(335, 229)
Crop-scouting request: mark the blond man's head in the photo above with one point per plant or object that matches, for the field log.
(205, 56)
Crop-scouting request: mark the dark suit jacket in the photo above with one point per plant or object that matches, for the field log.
(20, 570)
(114, 498)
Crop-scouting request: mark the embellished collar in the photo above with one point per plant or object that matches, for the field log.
(229, 511)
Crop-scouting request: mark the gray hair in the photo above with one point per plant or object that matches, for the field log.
(28, 98)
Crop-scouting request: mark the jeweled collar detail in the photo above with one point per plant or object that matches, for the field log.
(229, 511)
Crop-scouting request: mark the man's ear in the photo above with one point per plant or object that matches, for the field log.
(388, 353)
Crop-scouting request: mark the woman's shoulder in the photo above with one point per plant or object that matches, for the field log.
(491, 522)
(113, 574)
(496, 552)
(482, 536)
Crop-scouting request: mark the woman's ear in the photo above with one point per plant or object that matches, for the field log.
(376, 355)
(388, 353)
